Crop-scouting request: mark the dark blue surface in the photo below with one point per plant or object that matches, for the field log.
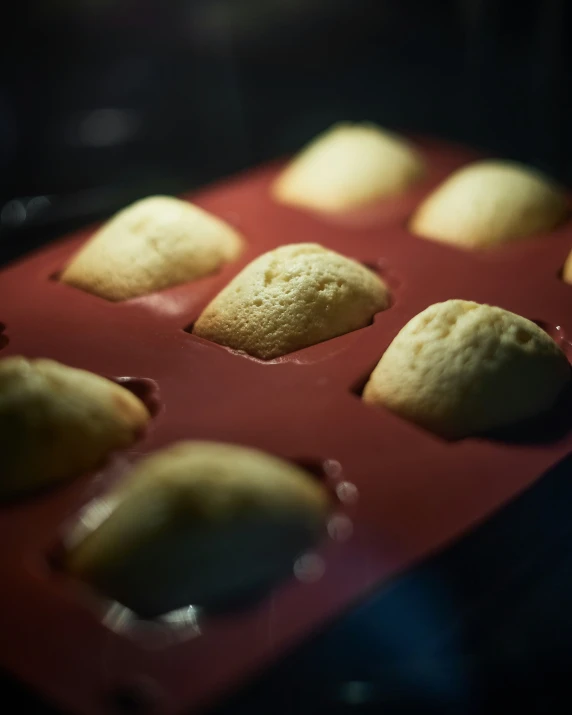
(486, 622)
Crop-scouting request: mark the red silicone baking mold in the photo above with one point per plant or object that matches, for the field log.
(403, 492)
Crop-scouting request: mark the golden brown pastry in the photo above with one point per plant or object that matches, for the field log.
(57, 422)
(460, 368)
(290, 298)
(489, 203)
(153, 244)
(201, 523)
(347, 167)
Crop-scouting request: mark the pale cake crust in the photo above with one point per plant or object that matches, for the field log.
(489, 203)
(57, 422)
(461, 368)
(291, 298)
(153, 244)
(567, 270)
(201, 523)
(347, 167)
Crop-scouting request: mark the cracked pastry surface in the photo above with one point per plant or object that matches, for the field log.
(290, 298)
(460, 368)
(153, 244)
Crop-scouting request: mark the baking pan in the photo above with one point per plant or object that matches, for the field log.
(402, 493)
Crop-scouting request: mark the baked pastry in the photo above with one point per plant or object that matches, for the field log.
(201, 523)
(461, 368)
(290, 298)
(153, 244)
(57, 422)
(347, 167)
(489, 203)
(567, 270)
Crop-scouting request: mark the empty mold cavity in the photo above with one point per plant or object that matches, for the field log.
(145, 389)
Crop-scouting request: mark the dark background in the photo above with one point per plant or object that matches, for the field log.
(104, 101)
